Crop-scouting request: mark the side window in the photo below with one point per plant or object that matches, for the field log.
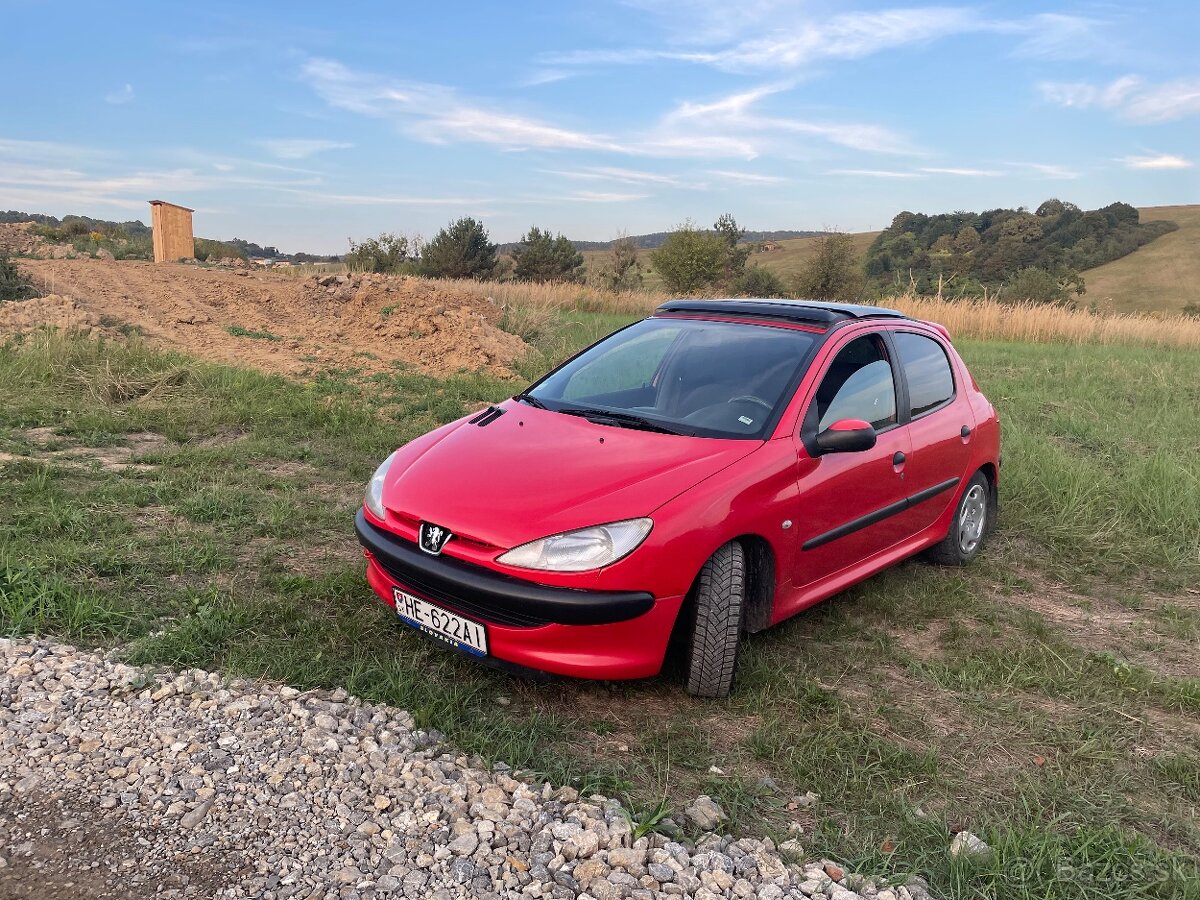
(927, 370)
(858, 385)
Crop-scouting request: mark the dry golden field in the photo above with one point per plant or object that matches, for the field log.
(980, 319)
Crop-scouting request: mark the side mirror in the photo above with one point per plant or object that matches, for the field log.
(847, 436)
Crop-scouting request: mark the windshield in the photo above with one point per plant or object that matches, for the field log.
(711, 379)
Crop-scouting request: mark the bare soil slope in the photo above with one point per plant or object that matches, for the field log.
(270, 321)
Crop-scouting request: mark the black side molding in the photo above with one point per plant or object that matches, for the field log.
(494, 596)
(879, 515)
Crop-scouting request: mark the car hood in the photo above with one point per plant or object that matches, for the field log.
(532, 472)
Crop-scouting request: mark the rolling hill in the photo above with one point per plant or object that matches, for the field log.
(785, 261)
(1163, 275)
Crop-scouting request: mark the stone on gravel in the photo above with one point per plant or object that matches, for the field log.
(195, 816)
(705, 813)
(465, 844)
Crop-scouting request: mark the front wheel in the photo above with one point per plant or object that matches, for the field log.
(718, 598)
(971, 524)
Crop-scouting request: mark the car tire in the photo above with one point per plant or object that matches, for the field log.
(972, 522)
(718, 599)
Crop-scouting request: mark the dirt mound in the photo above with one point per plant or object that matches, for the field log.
(16, 237)
(272, 321)
(53, 310)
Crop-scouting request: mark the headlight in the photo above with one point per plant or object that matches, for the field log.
(578, 551)
(374, 499)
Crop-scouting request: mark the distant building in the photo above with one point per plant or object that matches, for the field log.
(172, 225)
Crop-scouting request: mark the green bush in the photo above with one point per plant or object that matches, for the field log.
(692, 260)
(388, 253)
(542, 257)
(833, 273)
(1040, 286)
(623, 270)
(208, 250)
(14, 284)
(758, 282)
(460, 250)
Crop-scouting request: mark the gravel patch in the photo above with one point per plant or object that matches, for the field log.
(115, 783)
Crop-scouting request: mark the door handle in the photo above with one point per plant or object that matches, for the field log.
(898, 459)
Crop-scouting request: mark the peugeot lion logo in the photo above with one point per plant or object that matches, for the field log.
(434, 538)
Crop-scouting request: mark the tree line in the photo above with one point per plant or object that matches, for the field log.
(689, 259)
(1014, 252)
(1010, 253)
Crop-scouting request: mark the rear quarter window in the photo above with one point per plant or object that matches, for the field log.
(927, 370)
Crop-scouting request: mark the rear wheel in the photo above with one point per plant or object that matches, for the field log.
(971, 524)
(718, 599)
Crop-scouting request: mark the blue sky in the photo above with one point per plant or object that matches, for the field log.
(304, 124)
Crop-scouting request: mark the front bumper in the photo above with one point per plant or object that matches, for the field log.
(584, 633)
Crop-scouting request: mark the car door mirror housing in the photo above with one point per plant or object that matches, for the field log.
(846, 436)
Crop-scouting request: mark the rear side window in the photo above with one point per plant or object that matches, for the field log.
(858, 385)
(930, 382)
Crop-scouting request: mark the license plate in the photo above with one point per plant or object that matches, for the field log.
(454, 629)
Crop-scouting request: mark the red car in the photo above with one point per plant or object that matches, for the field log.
(708, 472)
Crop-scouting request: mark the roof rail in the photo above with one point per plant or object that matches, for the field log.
(815, 312)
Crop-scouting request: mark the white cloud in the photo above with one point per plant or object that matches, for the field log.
(724, 128)
(123, 94)
(874, 173)
(1049, 170)
(615, 173)
(50, 176)
(42, 151)
(779, 36)
(1056, 36)
(847, 36)
(545, 76)
(699, 21)
(602, 197)
(1158, 161)
(1130, 97)
(436, 114)
(341, 199)
(747, 178)
(732, 121)
(964, 173)
(299, 148)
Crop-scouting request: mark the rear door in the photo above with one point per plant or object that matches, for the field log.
(940, 424)
(851, 505)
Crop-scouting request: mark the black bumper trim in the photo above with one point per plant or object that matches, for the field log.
(493, 596)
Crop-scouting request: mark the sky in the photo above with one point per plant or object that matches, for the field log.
(303, 125)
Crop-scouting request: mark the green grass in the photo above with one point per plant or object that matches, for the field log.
(239, 331)
(1015, 698)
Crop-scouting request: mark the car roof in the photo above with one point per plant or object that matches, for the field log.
(815, 312)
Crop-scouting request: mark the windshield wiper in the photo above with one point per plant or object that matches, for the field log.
(531, 400)
(623, 419)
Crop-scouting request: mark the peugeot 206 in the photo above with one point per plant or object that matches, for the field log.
(700, 475)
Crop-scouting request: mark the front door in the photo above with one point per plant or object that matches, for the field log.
(852, 505)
